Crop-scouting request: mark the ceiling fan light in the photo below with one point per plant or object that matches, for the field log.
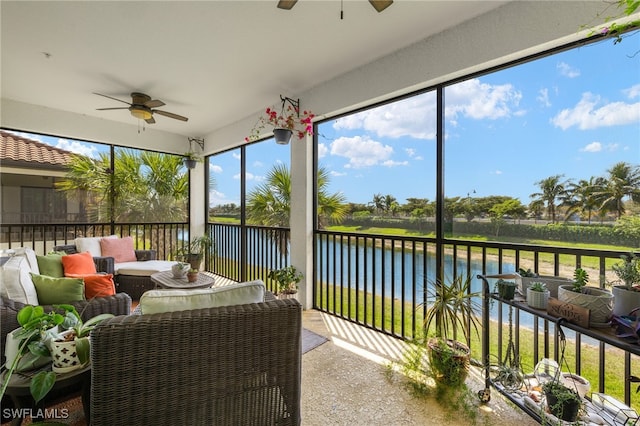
(141, 114)
(380, 5)
(286, 4)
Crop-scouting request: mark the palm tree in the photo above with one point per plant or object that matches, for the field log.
(623, 181)
(551, 189)
(147, 187)
(269, 204)
(581, 199)
(378, 202)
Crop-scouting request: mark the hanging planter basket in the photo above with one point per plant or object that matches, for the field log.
(282, 136)
(189, 163)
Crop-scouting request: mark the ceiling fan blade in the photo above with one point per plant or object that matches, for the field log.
(170, 115)
(150, 120)
(110, 97)
(107, 109)
(286, 4)
(380, 5)
(154, 103)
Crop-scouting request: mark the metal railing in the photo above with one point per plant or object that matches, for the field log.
(245, 253)
(165, 238)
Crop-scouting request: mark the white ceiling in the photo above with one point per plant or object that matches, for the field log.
(215, 62)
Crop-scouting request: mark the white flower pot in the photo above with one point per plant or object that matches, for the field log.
(538, 299)
(598, 301)
(64, 355)
(625, 300)
(552, 283)
(180, 269)
(577, 383)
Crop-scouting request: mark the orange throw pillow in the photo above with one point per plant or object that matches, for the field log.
(80, 263)
(97, 285)
(121, 249)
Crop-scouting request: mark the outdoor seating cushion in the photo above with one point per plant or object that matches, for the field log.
(91, 244)
(121, 249)
(159, 301)
(58, 290)
(16, 282)
(97, 285)
(143, 268)
(79, 263)
(51, 265)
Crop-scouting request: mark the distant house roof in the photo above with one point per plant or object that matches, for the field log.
(19, 151)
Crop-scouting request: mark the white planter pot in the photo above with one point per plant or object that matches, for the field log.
(180, 269)
(538, 299)
(598, 301)
(625, 300)
(577, 383)
(64, 355)
(287, 295)
(552, 283)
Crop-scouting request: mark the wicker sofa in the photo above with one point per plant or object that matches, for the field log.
(133, 285)
(232, 365)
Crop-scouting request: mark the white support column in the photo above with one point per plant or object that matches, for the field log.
(301, 222)
(197, 200)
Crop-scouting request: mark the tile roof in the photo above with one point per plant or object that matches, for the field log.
(19, 150)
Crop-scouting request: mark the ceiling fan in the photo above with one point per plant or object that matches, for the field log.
(141, 107)
(378, 5)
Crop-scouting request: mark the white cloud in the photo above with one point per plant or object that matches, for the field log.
(215, 168)
(322, 150)
(236, 155)
(391, 163)
(416, 116)
(413, 117)
(477, 100)
(587, 114)
(567, 70)
(258, 163)
(410, 152)
(337, 174)
(78, 148)
(632, 92)
(497, 172)
(543, 97)
(361, 151)
(592, 147)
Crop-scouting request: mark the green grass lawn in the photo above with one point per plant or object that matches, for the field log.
(363, 308)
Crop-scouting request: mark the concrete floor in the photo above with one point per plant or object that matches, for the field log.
(347, 381)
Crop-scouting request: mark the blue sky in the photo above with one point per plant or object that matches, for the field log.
(575, 113)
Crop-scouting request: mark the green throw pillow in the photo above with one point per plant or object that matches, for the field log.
(57, 290)
(50, 265)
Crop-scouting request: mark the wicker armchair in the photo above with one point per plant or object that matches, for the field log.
(234, 365)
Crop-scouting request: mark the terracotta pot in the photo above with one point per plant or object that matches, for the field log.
(192, 277)
(449, 363)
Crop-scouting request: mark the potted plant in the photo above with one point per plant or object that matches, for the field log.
(285, 124)
(552, 282)
(287, 280)
(452, 312)
(627, 291)
(194, 251)
(537, 295)
(37, 330)
(192, 275)
(505, 289)
(71, 349)
(190, 159)
(562, 402)
(598, 301)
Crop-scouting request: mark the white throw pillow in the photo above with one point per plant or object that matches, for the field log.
(90, 244)
(158, 301)
(16, 283)
(30, 255)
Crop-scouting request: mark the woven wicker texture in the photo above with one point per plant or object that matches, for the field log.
(237, 365)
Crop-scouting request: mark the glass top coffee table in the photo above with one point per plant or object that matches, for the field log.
(165, 280)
